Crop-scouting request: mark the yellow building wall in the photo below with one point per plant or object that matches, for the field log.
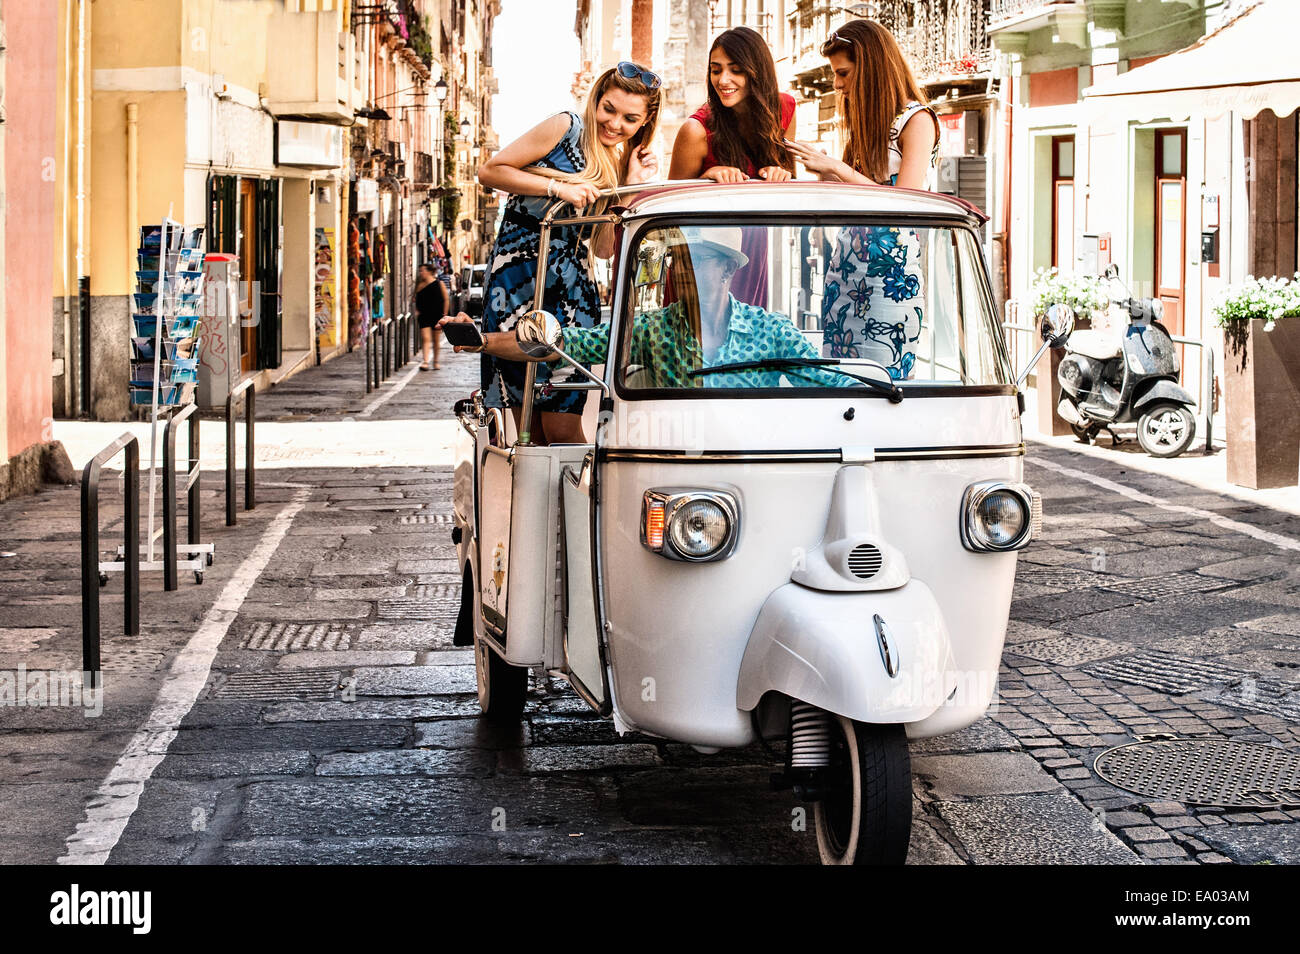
(218, 36)
(160, 180)
(137, 34)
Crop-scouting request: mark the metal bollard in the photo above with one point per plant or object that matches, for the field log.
(170, 581)
(250, 413)
(90, 643)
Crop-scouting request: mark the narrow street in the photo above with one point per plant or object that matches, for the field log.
(305, 704)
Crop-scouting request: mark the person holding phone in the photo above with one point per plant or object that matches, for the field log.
(740, 134)
(573, 158)
(873, 300)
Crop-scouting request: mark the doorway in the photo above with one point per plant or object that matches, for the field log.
(249, 303)
(1171, 226)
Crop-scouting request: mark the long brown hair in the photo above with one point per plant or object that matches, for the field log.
(606, 166)
(758, 135)
(882, 87)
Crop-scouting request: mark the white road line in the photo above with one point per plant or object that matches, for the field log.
(111, 807)
(383, 399)
(1276, 539)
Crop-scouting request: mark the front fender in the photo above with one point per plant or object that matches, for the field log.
(822, 648)
(1163, 390)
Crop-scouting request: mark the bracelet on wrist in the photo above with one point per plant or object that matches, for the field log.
(550, 187)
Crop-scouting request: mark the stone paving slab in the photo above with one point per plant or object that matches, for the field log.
(1033, 829)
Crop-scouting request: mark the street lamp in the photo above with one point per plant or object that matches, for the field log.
(440, 90)
(464, 129)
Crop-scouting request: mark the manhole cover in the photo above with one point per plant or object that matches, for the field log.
(425, 518)
(1166, 587)
(1165, 672)
(309, 684)
(1205, 772)
(1066, 650)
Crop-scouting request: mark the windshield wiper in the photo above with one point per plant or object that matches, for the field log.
(891, 390)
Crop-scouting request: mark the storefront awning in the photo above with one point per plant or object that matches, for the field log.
(1246, 66)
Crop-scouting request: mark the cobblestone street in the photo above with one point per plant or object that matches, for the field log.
(305, 704)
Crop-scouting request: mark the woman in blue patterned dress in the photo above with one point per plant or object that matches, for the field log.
(574, 158)
(872, 302)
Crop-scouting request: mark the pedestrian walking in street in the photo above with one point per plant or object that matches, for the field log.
(872, 300)
(740, 134)
(431, 303)
(574, 158)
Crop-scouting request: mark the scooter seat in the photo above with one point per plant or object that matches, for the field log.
(1095, 344)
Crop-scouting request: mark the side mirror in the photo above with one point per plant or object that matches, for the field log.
(1058, 323)
(1112, 271)
(539, 334)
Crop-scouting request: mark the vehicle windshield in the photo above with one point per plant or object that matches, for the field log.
(744, 308)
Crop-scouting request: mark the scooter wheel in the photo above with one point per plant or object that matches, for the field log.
(865, 815)
(1166, 429)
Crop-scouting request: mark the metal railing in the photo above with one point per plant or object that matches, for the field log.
(91, 574)
(250, 414)
(1009, 9)
(193, 473)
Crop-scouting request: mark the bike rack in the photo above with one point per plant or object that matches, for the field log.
(92, 571)
(250, 414)
(201, 554)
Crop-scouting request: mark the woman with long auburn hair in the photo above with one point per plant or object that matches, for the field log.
(573, 158)
(872, 299)
(739, 134)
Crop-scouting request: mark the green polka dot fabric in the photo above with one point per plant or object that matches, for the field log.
(664, 345)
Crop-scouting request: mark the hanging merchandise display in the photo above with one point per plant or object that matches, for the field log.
(166, 348)
(326, 330)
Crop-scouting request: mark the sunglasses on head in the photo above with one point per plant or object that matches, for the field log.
(632, 71)
(834, 40)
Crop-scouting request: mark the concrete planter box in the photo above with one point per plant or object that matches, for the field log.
(1262, 390)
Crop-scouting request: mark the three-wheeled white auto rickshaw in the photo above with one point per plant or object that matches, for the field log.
(798, 516)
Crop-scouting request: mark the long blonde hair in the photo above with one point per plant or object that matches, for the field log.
(883, 85)
(606, 166)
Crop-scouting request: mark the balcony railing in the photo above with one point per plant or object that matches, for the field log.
(759, 22)
(1005, 10)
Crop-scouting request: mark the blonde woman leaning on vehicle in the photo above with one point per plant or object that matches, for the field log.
(574, 158)
(872, 302)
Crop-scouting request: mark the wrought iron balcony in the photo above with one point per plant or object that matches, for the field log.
(1025, 15)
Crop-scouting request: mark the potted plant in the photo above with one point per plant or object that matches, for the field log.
(1087, 296)
(1260, 318)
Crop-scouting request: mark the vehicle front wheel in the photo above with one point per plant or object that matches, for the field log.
(1166, 429)
(865, 814)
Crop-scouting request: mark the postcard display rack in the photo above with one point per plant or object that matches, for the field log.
(165, 353)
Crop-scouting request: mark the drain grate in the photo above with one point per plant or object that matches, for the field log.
(437, 591)
(308, 684)
(1167, 587)
(1265, 696)
(285, 637)
(425, 518)
(419, 609)
(1205, 772)
(1165, 672)
(1058, 576)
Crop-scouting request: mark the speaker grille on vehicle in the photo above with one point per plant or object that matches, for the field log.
(865, 561)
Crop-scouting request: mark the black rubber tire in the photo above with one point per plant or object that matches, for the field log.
(1176, 415)
(502, 688)
(463, 634)
(866, 818)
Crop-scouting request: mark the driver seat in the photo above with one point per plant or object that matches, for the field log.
(1095, 344)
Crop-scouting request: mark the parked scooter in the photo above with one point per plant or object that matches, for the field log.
(1107, 381)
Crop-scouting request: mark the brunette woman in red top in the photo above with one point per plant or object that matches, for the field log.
(739, 134)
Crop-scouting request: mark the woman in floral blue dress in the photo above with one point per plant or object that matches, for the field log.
(574, 158)
(872, 302)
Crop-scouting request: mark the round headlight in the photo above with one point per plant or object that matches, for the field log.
(1157, 309)
(698, 528)
(1000, 518)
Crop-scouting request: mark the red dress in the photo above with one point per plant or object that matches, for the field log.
(750, 283)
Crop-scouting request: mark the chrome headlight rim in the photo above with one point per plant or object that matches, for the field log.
(978, 542)
(673, 500)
